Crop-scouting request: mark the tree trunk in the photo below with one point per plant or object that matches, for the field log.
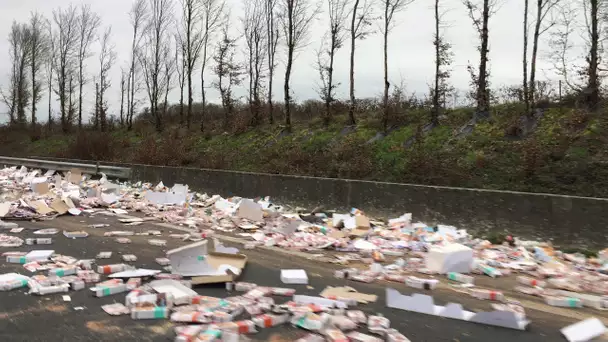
(482, 86)
(286, 88)
(526, 95)
(386, 83)
(593, 85)
(80, 86)
(353, 39)
(181, 108)
(203, 93)
(532, 94)
(435, 110)
(330, 80)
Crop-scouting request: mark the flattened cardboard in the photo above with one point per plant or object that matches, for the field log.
(250, 210)
(75, 176)
(41, 207)
(60, 206)
(41, 188)
(215, 260)
(349, 293)
(4, 208)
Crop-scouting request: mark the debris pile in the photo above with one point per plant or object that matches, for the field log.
(399, 250)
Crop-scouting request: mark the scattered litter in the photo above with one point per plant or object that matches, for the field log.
(104, 255)
(584, 330)
(66, 298)
(75, 235)
(16, 230)
(116, 309)
(39, 241)
(155, 242)
(129, 258)
(294, 277)
(47, 231)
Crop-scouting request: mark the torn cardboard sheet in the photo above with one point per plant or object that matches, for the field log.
(189, 260)
(4, 208)
(75, 176)
(41, 188)
(347, 293)
(250, 210)
(60, 206)
(138, 273)
(424, 304)
(223, 268)
(41, 207)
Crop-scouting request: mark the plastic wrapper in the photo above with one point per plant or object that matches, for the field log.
(399, 278)
(527, 281)
(239, 327)
(378, 324)
(279, 291)
(392, 335)
(221, 317)
(258, 292)
(77, 284)
(268, 321)
(123, 240)
(156, 299)
(567, 302)
(45, 290)
(204, 300)
(109, 269)
(103, 291)
(154, 312)
(356, 316)
(487, 294)
(420, 283)
(360, 337)
(311, 321)
(335, 335)
(244, 287)
(188, 333)
(12, 281)
(61, 272)
(461, 278)
(362, 278)
(133, 283)
(116, 309)
(190, 317)
(343, 323)
(209, 335)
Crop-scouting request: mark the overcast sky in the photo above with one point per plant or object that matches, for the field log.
(410, 49)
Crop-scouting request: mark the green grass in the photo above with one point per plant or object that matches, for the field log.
(567, 152)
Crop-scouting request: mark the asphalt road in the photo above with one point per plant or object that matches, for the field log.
(48, 318)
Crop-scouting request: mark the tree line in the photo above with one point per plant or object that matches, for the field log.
(171, 43)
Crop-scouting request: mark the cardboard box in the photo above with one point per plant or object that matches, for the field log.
(222, 266)
(450, 258)
(189, 260)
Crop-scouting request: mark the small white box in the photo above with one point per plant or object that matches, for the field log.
(294, 277)
(451, 258)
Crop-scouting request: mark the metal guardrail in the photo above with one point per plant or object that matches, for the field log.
(110, 171)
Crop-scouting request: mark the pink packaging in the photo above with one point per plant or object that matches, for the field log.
(279, 291)
(268, 321)
(188, 333)
(335, 335)
(356, 316)
(378, 324)
(190, 317)
(359, 337)
(393, 335)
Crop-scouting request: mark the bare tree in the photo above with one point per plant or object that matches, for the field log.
(389, 9)
(65, 56)
(39, 50)
(480, 16)
(360, 24)
(153, 56)
(192, 38)
(138, 16)
(255, 41)
(296, 17)
(443, 59)
(525, 58)
(543, 9)
(594, 37)
(181, 69)
(561, 43)
(88, 23)
(49, 70)
(19, 42)
(123, 88)
(107, 57)
(167, 80)
(228, 72)
(272, 41)
(338, 16)
(213, 18)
